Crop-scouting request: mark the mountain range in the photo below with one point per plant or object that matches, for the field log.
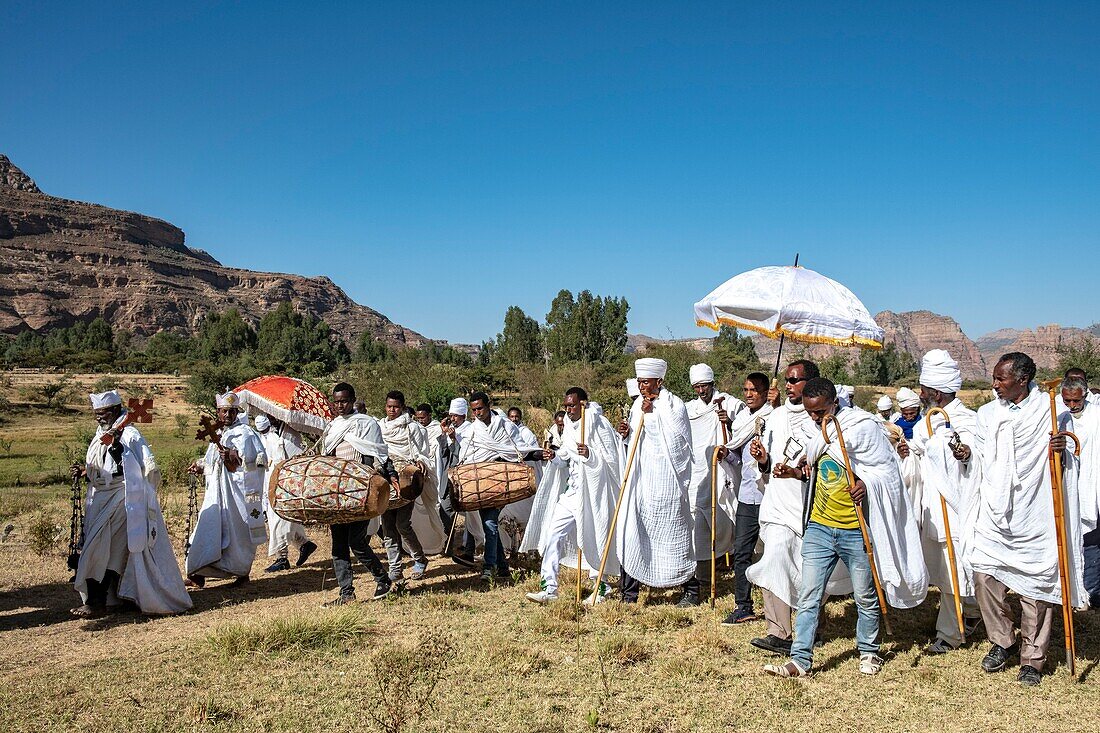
(64, 261)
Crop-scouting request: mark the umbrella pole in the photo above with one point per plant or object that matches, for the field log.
(779, 354)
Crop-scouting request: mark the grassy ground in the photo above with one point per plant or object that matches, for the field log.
(265, 657)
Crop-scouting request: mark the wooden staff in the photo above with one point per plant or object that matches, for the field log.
(1054, 458)
(867, 546)
(619, 502)
(580, 525)
(947, 530)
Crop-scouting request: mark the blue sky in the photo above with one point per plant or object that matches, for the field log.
(442, 161)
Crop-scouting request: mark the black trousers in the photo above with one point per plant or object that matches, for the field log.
(746, 533)
(98, 589)
(629, 586)
(353, 538)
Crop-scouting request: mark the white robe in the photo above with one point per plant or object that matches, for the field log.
(585, 487)
(706, 433)
(957, 482)
(1086, 426)
(124, 529)
(653, 536)
(231, 519)
(279, 446)
(1013, 535)
(517, 514)
(779, 569)
(409, 440)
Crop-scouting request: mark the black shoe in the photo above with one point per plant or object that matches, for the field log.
(1029, 676)
(688, 600)
(632, 599)
(340, 600)
(938, 646)
(739, 616)
(466, 561)
(997, 658)
(281, 564)
(304, 552)
(383, 589)
(773, 644)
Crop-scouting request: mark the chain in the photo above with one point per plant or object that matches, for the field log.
(76, 523)
(192, 505)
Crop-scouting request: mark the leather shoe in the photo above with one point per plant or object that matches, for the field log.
(773, 644)
(1029, 676)
(281, 564)
(997, 658)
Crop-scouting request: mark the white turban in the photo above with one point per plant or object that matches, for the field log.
(844, 394)
(885, 403)
(459, 406)
(649, 368)
(263, 424)
(700, 374)
(940, 372)
(632, 388)
(228, 400)
(110, 398)
(907, 398)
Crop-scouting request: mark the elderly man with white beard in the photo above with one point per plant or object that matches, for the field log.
(654, 529)
(126, 553)
(942, 476)
(711, 414)
(1084, 416)
(1014, 545)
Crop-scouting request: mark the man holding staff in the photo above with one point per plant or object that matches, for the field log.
(711, 414)
(1015, 545)
(945, 482)
(853, 472)
(1084, 414)
(576, 497)
(654, 528)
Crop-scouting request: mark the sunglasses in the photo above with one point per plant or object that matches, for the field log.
(796, 380)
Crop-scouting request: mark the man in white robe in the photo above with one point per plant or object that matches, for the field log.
(355, 436)
(943, 476)
(576, 498)
(453, 430)
(653, 535)
(743, 499)
(1014, 545)
(710, 414)
(280, 443)
(832, 533)
(553, 433)
(407, 441)
(126, 554)
(778, 572)
(1084, 416)
(884, 409)
(490, 437)
(514, 517)
(231, 519)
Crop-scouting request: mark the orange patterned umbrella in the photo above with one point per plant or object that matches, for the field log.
(293, 401)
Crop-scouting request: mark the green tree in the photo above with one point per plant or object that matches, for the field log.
(225, 335)
(369, 350)
(521, 340)
(835, 368)
(1083, 353)
(887, 366)
(586, 328)
(288, 340)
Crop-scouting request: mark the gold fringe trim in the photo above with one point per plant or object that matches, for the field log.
(799, 337)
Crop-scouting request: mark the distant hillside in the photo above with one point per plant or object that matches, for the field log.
(64, 261)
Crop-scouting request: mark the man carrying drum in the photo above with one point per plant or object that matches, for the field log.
(355, 436)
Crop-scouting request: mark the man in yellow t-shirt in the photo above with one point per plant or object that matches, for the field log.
(832, 535)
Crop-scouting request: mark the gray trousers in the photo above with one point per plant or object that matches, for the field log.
(1036, 619)
(397, 527)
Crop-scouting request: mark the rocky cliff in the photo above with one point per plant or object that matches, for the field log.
(65, 261)
(1041, 344)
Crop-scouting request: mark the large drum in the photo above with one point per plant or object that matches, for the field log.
(327, 490)
(490, 484)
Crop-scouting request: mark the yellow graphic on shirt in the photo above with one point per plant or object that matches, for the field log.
(833, 505)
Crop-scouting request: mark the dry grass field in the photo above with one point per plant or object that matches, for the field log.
(444, 655)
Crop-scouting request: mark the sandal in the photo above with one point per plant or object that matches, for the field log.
(86, 611)
(790, 669)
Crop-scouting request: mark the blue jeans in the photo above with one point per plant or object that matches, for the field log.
(822, 548)
(494, 548)
(1092, 567)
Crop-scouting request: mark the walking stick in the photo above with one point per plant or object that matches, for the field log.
(1055, 461)
(867, 546)
(619, 502)
(947, 530)
(713, 525)
(580, 526)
